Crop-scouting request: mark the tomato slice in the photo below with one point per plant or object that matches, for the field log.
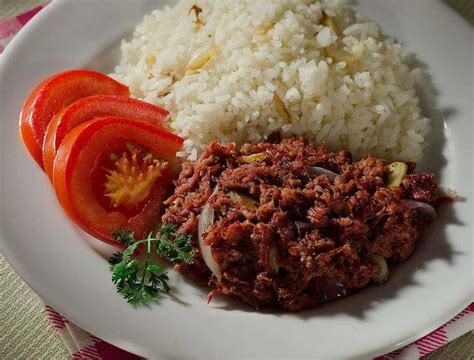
(92, 107)
(114, 172)
(55, 93)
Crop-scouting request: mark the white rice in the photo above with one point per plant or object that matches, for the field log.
(263, 66)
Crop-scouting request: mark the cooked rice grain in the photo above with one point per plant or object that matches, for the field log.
(220, 79)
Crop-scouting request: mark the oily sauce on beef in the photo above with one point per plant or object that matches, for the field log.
(283, 236)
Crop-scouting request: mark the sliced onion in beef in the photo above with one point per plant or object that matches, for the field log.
(274, 260)
(427, 208)
(382, 264)
(206, 221)
(245, 200)
(315, 170)
(335, 291)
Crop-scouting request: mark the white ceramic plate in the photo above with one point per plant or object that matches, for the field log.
(56, 260)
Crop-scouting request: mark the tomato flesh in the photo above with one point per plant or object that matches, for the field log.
(55, 93)
(124, 177)
(83, 163)
(92, 107)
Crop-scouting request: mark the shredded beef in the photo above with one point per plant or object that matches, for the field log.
(320, 232)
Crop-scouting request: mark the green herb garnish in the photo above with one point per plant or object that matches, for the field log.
(138, 279)
(175, 247)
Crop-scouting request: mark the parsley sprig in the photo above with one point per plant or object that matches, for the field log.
(138, 279)
(175, 247)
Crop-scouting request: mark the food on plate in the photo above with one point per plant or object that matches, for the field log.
(294, 127)
(291, 224)
(113, 172)
(92, 107)
(53, 94)
(240, 70)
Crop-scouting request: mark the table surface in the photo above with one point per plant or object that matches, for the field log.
(26, 331)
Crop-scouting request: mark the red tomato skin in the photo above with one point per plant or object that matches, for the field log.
(77, 155)
(26, 132)
(55, 93)
(91, 107)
